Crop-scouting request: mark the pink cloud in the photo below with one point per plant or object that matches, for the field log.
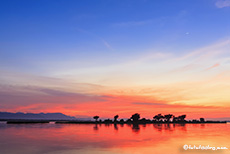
(213, 66)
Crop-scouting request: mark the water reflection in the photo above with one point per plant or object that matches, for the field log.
(137, 127)
(112, 138)
(95, 127)
(115, 126)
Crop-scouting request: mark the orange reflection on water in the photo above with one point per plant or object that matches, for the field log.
(101, 138)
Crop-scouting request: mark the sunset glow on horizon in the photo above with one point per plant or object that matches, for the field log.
(86, 58)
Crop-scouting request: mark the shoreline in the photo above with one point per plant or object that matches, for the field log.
(32, 121)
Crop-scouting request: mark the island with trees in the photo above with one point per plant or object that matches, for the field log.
(136, 119)
(59, 118)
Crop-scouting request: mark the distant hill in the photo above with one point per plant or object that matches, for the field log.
(84, 118)
(46, 116)
(220, 119)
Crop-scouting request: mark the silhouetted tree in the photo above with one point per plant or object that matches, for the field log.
(195, 121)
(202, 120)
(116, 117)
(143, 120)
(135, 117)
(96, 117)
(175, 119)
(128, 121)
(181, 118)
(158, 117)
(122, 121)
(108, 121)
(168, 117)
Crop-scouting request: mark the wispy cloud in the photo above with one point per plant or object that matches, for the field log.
(208, 51)
(176, 105)
(36, 99)
(149, 80)
(202, 58)
(162, 20)
(143, 103)
(133, 23)
(20, 80)
(106, 44)
(213, 66)
(223, 3)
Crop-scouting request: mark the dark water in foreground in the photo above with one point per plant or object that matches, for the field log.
(112, 139)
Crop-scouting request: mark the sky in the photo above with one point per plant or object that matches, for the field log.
(107, 57)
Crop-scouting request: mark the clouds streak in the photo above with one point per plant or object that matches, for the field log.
(222, 3)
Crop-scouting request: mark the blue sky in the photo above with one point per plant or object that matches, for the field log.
(33, 31)
(170, 51)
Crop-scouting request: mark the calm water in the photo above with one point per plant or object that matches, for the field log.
(111, 139)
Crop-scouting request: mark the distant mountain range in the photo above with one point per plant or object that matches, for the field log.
(45, 116)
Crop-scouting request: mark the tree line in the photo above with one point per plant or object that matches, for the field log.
(159, 118)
